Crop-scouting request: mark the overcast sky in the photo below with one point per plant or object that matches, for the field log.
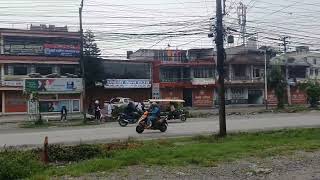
(122, 25)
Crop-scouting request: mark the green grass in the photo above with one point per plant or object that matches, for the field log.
(200, 150)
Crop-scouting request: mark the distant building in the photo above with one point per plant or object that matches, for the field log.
(45, 57)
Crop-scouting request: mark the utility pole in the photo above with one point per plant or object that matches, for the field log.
(285, 43)
(265, 79)
(220, 68)
(242, 17)
(82, 63)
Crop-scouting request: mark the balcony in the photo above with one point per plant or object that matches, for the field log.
(174, 80)
(244, 79)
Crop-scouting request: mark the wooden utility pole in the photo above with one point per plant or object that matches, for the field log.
(82, 63)
(220, 68)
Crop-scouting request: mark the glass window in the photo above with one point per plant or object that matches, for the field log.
(311, 72)
(203, 73)
(44, 70)
(67, 70)
(257, 73)
(314, 61)
(20, 70)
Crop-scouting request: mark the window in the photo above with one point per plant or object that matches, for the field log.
(44, 70)
(67, 70)
(203, 73)
(239, 70)
(311, 72)
(257, 73)
(316, 72)
(314, 61)
(20, 70)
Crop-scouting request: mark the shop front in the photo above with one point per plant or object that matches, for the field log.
(54, 93)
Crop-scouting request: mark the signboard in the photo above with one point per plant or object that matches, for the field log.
(298, 97)
(53, 85)
(61, 50)
(203, 98)
(203, 81)
(23, 49)
(12, 83)
(155, 91)
(127, 83)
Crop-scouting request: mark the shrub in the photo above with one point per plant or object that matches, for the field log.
(18, 164)
(61, 153)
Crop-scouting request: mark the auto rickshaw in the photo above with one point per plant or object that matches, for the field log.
(172, 108)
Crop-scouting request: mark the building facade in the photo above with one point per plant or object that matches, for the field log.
(181, 74)
(47, 56)
(123, 78)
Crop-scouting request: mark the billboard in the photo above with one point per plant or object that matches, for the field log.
(61, 50)
(23, 49)
(127, 83)
(53, 85)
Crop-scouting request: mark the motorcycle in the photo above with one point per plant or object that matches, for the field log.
(161, 124)
(125, 119)
(178, 114)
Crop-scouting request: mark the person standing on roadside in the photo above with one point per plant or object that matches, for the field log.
(97, 110)
(64, 113)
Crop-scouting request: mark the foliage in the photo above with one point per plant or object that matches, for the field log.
(312, 88)
(18, 164)
(60, 153)
(90, 47)
(94, 71)
(277, 82)
(200, 150)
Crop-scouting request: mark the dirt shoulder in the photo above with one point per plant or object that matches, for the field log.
(299, 166)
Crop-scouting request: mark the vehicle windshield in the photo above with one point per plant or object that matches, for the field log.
(117, 100)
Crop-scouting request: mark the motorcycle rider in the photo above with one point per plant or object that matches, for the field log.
(131, 110)
(153, 115)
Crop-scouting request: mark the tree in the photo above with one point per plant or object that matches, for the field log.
(94, 71)
(277, 82)
(312, 88)
(90, 47)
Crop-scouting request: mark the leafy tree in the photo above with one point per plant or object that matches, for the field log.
(90, 47)
(94, 71)
(312, 88)
(277, 82)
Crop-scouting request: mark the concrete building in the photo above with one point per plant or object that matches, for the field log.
(43, 55)
(181, 74)
(244, 79)
(123, 78)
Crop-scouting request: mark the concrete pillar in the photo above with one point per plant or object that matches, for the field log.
(2, 72)
(230, 72)
(251, 73)
(2, 45)
(3, 102)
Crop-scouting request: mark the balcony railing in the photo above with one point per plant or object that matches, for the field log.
(175, 79)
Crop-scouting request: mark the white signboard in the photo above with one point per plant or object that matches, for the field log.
(127, 83)
(155, 91)
(203, 81)
(12, 83)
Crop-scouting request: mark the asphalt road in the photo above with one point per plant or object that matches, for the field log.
(112, 131)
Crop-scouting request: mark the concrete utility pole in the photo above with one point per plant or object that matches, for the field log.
(82, 62)
(265, 79)
(242, 17)
(220, 68)
(285, 43)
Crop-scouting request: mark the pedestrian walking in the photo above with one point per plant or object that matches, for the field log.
(97, 110)
(64, 113)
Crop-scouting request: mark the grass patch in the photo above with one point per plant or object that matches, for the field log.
(199, 150)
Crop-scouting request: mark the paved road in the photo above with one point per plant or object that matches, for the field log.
(111, 132)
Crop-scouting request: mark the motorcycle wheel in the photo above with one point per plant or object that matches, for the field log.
(163, 128)
(122, 123)
(139, 129)
(183, 118)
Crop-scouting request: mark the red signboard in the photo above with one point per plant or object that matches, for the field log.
(272, 98)
(298, 96)
(202, 97)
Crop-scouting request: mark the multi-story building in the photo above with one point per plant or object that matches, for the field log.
(123, 78)
(301, 65)
(47, 60)
(181, 74)
(244, 78)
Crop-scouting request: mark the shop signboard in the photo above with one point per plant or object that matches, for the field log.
(61, 50)
(53, 85)
(12, 83)
(14, 49)
(127, 83)
(155, 91)
(203, 81)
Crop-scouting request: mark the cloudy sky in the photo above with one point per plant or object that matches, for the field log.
(122, 25)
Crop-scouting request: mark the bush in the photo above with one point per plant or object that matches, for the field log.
(60, 153)
(18, 164)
